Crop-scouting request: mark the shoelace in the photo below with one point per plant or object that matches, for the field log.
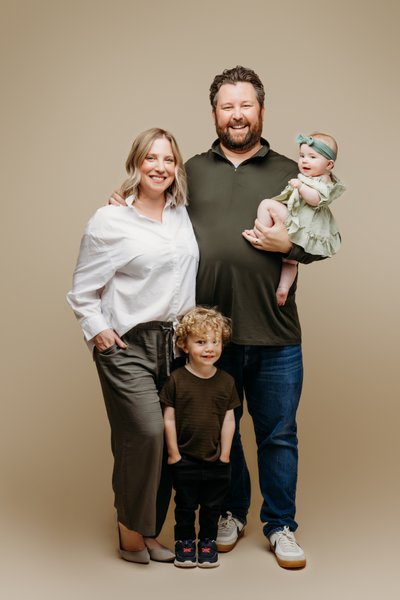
(206, 544)
(227, 522)
(287, 540)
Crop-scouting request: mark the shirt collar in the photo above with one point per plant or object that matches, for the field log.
(263, 151)
(131, 199)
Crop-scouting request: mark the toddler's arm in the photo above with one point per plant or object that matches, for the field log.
(308, 194)
(170, 435)
(227, 431)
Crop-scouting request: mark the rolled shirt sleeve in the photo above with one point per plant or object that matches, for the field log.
(93, 270)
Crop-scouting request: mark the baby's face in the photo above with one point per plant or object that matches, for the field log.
(313, 164)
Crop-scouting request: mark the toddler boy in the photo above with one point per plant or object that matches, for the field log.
(199, 423)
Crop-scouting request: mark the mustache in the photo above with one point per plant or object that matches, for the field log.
(241, 123)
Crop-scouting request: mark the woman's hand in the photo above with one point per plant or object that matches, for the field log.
(271, 239)
(107, 338)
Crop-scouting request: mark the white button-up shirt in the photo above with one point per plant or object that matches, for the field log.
(132, 269)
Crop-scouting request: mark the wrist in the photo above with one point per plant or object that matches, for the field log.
(287, 252)
(173, 458)
(287, 249)
(224, 458)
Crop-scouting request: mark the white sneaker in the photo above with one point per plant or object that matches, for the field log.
(287, 551)
(230, 530)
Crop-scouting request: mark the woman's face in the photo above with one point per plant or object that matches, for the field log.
(158, 168)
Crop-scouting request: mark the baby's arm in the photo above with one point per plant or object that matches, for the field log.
(227, 431)
(308, 194)
(170, 435)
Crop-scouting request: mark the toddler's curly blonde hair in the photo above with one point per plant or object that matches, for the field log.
(198, 320)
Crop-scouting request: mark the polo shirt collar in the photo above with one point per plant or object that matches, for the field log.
(263, 151)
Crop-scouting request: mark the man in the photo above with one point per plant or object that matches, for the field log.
(238, 273)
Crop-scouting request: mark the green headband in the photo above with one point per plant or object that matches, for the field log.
(319, 146)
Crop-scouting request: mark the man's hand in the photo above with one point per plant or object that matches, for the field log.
(107, 338)
(270, 239)
(116, 199)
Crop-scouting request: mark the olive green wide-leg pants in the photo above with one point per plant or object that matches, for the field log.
(130, 381)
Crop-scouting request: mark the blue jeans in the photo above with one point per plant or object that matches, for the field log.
(271, 378)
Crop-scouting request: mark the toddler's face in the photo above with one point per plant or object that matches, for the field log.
(313, 164)
(204, 348)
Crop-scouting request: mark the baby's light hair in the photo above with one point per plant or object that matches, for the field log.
(198, 320)
(327, 139)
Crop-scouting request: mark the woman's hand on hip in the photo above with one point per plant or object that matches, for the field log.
(107, 338)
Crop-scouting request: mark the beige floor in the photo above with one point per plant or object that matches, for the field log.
(80, 561)
(59, 542)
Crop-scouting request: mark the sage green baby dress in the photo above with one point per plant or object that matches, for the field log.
(313, 227)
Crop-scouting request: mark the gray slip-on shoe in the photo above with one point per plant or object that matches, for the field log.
(140, 556)
(162, 554)
(137, 556)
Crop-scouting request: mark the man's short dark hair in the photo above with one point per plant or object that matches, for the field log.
(233, 76)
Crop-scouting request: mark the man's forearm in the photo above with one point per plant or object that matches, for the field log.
(299, 254)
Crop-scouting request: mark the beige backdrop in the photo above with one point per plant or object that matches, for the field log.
(79, 80)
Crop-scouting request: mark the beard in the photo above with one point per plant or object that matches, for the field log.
(241, 143)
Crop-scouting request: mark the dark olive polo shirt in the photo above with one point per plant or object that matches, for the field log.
(233, 276)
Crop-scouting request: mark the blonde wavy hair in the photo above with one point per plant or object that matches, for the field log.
(137, 154)
(198, 320)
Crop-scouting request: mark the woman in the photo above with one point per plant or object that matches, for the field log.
(135, 274)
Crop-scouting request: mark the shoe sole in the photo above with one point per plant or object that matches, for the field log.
(289, 564)
(187, 564)
(139, 557)
(208, 565)
(229, 547)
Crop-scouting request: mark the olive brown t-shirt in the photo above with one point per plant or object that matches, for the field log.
(200, 407)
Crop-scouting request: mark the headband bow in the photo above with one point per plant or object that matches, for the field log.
(319, 146)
